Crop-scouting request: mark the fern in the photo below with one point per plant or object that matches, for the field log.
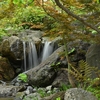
(83, 74)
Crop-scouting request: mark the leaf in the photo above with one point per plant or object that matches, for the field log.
(98, 1)
(71, 51)
(94, 32)
(23, 77)
(58, 98)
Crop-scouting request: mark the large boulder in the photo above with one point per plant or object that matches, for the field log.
(6, 70)
(93, 57)
(78, 94)
(12, 48)
(9, 91)
(43, 77)
(77, 51)
(44, 74)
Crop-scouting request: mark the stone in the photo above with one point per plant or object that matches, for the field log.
(6, 70)
(78, 94)
(32, 96)
(93, 57)
(9, 91)
(43, 77)
(61, 79)
(12, 48)
(55, 96)
(48, 88)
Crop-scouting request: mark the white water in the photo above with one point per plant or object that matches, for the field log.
(30, 63)
(31, 59)
(24, 46)
(48, 49)
(34, 55)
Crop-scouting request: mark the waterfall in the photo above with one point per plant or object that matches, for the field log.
(48, 49)
(34, 55)
(30, 56)
(31, 59)
(24, 51)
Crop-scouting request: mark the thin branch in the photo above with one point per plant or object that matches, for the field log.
(75, 16)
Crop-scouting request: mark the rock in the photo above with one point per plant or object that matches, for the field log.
(12, 48)
(48, 88)
(62, 78)
(29, 90)
(30, 33)
(32, 96)
(78, 94)
(55, 96)
(44, 74)
(6, 70)
(93, 57)
(42, 77)
(9, 91)
(80, 49)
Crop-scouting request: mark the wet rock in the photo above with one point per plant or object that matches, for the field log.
(6, 70)
(93, 57)
(62, 78)
(55, 96)
(44, 74)
(43, 77)
(34, 96)
(9, 91)
(12, 48)
(78, 94)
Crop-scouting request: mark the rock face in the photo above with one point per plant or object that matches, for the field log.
(6, 70)
(43, 77)
(81, 48)
(78, 94)
(12, 48)
(93, 57)
(7, 91)
(44, 74)
(61, 79)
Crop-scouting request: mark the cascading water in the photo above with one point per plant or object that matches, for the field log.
(31, 59)
(30, 56)
(47, 50)
(24, 51)
(34, 55)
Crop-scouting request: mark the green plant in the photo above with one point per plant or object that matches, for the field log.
(25, 17)
(64, 87)
(94, 90)
(42, 92)
(58, 98)
(2, 33)
(23, 77)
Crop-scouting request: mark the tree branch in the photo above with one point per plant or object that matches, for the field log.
(75, 16)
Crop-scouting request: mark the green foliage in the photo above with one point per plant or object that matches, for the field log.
(29, 14)
(58, 98)
(64, 87)
(19, 2)
(98, 1)
(23, 77)
(55, 65)
(94, 90)
(2, 34)
(42, 93)
(71, 51)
